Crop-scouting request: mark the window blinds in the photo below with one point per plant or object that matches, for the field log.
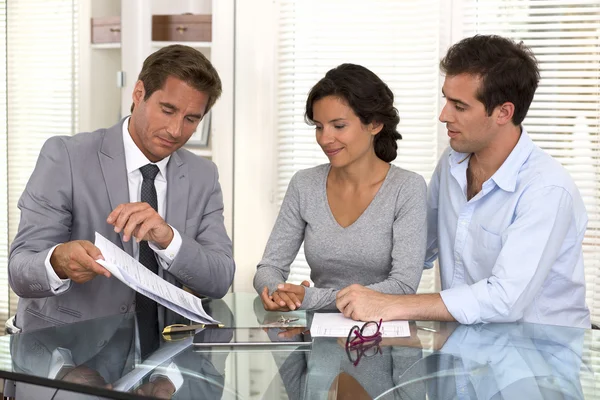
(399, 41)
(3, 171)
(40, 90)
(564, 118)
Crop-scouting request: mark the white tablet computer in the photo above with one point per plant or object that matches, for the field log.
(230, 337)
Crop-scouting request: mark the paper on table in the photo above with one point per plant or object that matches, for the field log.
(135, 275)
(336, 325)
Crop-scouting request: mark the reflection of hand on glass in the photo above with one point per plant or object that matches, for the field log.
(161, 388)
(84, 375)
(286, 333)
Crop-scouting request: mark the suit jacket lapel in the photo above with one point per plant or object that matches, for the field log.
(178, 188)
(112, 162)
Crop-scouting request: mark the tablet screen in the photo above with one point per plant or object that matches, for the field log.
(298, 336)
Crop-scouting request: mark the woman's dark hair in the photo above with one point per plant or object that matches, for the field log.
(508, 70)
(370, 99)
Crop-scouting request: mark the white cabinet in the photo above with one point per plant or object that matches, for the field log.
(99, 95)
(108, 71)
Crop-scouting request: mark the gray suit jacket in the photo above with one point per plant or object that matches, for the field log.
(78, 180)
(105, 345)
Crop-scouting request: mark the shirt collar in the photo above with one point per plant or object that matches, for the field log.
(457, 158)
(506, 176)
(134, 158)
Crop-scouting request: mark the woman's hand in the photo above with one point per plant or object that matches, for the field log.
(287, 297)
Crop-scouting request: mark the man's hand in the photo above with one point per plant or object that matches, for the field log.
(161, 388)
(362, 304)
(76, 260)
(287, 297)
(142, 222)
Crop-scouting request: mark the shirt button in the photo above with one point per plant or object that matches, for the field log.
(123, 308)
(102, 343)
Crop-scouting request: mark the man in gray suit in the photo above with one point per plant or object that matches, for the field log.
(133, 184)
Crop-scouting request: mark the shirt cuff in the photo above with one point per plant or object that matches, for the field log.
(167, 255)
(61, 361)
(170, 372)
(57, 285)
(308, 300)
(462, 304)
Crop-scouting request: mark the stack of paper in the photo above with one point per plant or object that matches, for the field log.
(336, 325)
(135, 275)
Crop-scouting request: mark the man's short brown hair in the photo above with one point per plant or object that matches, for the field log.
(184, 63)
(508, 70)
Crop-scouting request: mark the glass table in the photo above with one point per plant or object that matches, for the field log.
(96, 359)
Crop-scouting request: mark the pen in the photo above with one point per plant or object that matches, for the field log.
(179, 328)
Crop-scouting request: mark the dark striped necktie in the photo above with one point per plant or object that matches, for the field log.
(147, 309)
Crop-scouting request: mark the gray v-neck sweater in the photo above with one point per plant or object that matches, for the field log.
(384, 249)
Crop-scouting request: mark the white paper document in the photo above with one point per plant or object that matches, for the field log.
(135, 275)
(336, 325)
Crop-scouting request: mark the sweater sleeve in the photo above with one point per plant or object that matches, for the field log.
(283, 244)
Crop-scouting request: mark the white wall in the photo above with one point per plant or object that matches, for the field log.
(254, 148)
(222, 57)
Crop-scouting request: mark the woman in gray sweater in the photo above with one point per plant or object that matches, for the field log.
(362, 220)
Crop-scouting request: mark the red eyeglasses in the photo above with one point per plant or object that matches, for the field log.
(363, 341)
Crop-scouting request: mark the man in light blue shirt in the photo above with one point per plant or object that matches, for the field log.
(505, 219)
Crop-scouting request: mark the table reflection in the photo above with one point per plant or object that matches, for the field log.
(438, 361)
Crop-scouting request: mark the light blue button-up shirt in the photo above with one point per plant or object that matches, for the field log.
(513, 252)
(524, 361)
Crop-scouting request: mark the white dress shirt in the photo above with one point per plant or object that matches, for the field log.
(514, 251)
(134, 159)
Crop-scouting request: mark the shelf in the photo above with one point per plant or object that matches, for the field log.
(106, 45)
(196, 45)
